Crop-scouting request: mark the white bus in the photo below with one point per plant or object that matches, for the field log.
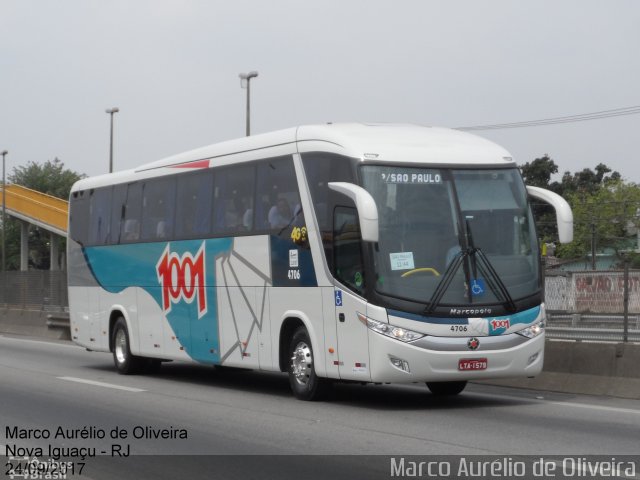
(368, 253)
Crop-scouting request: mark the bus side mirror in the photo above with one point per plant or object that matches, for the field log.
(366, 206)
(564, 215)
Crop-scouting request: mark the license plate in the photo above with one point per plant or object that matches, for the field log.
(472, 364)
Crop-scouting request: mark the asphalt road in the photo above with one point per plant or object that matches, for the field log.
(56, 385)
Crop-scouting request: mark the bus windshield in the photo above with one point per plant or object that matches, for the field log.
(430, 218)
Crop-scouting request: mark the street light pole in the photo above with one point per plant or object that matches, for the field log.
(4, 211)
(245, 78)
(111, 111)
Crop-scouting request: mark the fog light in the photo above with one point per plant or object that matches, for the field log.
(532, 358)
(400, 364)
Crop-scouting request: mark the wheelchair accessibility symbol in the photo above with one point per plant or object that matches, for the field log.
(477, 287)
(338, 298)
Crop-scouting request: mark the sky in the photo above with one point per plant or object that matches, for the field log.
(171, 67)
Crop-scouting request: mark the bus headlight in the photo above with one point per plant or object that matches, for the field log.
(532, 331)
(398, 333)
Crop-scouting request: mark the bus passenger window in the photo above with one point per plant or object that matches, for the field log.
(100, 214)
(277, 195)
(194, 199)
(158, 204)
(233, 200)
(132, 214)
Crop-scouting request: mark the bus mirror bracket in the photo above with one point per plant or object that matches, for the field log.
(564, 215)
(366, 206)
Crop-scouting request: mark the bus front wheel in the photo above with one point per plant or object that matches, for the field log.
(125, 362)
(446, 388)
(305, 384)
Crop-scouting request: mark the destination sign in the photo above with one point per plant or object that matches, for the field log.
(412, 177)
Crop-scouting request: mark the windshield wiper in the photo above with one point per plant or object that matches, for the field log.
(493, 280)
(446, 280)
(479, 263)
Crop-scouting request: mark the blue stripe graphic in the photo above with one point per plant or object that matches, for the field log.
(119, 267)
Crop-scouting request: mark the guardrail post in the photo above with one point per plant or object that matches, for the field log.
(543, 274)
(575, 319)
(625, 300)
(24, 246)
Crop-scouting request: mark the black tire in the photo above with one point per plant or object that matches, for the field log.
(305, 384)
(125, 362)
(152, 365)
(446, 388)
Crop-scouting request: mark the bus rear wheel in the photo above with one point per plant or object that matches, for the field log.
(305, 384)
(446, 388)
(126, 363)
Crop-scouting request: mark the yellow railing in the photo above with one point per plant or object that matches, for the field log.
(38, 206)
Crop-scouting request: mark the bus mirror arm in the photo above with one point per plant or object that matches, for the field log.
(366, 206)
(564, 215)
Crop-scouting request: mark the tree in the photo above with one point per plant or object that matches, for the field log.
(538, 172)
(53, 179)
(605, 214)
(587, 181)
(50, 178)
(605, 207)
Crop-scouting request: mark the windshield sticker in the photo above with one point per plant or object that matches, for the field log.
(477, 287)
(402, 261)
(421, 178)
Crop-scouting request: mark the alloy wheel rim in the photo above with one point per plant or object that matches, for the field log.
(121, 346)
(301, 363)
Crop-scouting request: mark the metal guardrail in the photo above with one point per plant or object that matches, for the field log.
(593, 334)
(58, 320)
(590, 327)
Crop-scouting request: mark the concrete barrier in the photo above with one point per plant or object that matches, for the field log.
(586, 368)
(570, 366)
(34, 323)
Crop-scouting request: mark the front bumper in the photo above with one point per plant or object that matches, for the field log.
(440, 362)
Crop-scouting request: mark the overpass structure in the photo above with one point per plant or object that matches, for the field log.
(35, 208)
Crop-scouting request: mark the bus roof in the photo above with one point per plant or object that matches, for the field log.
(394, 143)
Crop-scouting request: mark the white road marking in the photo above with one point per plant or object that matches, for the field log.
(101, 384)
(595, 407)
(562, 404)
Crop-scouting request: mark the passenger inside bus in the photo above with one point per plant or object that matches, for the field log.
(280, 214)
(131, 230)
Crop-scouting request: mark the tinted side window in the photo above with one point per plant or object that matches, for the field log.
(100, 215)
(158, 205)
(193, 213)
(79, 227)
(233, 200)
(278, 200)
(118, 201)
(320, 169)
(347, 251)
(130, 226)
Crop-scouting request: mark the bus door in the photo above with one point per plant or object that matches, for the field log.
(353, 343)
